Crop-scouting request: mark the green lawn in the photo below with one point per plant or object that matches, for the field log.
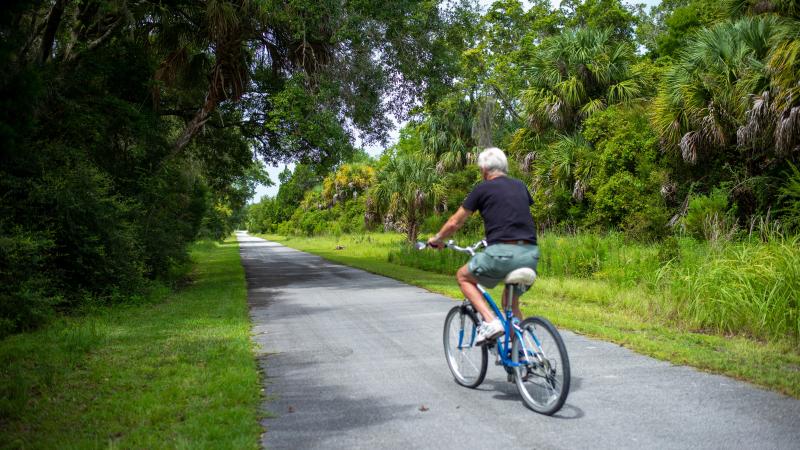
(176, 372)
(598, 308)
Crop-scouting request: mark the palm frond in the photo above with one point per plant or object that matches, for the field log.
(623, 92)
(592, 106)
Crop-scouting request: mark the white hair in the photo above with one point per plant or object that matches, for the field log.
(493, 160)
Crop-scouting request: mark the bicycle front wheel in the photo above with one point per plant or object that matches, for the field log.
(467, 362)
(542, 376)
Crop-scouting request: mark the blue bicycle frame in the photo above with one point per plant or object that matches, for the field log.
(503, 345)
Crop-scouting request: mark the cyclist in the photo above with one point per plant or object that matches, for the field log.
(504, 204)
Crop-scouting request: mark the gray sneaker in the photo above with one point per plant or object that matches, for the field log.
(488, 331)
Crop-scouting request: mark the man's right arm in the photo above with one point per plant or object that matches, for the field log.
(453, 224)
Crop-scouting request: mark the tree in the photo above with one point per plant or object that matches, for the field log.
(576, 74)
(407, 189)
(609, 15)
(700, 104)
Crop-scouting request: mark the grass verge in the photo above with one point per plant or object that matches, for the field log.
(598, 308)
(174, 372)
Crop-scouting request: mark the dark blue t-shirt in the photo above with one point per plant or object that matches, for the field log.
(504, 204)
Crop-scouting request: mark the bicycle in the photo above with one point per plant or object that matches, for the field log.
(534, 355)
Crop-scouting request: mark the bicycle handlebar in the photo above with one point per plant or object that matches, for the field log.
(451, 244)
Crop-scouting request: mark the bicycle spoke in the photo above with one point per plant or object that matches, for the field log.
(467, 363)
(540, 378)
(471, 363)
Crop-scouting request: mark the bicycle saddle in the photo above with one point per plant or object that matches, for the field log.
(524, 276)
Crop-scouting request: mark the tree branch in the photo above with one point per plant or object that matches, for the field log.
(196, 124)
(506, 105)
(97, 42)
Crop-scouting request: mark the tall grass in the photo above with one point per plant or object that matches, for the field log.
(749, 287)
(581, 256)
(444, 262)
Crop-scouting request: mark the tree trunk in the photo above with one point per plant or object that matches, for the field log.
(412, 233)
(413, 227)
(49, 36)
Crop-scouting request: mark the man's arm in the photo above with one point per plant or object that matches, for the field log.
(452, 225)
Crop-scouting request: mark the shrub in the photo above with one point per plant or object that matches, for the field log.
(26, 293)
(624, 190)
(433, 223)
(620, 196)
(669, 250)
(707, 216)
(647, 224)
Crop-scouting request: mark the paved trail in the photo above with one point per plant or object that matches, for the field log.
(351, 358)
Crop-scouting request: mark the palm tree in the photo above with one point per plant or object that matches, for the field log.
(575, 74)
(205, 45)
(447, 134)
(408, 188)
(567, 163)
(784, 67)
(704, 98)
(773, 120)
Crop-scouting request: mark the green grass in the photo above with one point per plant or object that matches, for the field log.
(174, 372)
(605, 301)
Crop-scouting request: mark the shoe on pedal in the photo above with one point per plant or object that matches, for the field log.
(489, 331)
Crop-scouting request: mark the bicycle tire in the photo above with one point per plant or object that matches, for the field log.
(473, 357)
(543, 385)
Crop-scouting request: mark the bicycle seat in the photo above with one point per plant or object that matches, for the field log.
(524, 276)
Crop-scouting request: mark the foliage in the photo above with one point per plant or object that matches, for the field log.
(408, 188)
(26, 296)
(699, 106)
(564, 91)
(790, 199)
(347, 182)
(610, 15)
(742, 288)
(176, 369)
(679, 20)
(626, 189)
(706, 214)
(128, 129)
(576, 74)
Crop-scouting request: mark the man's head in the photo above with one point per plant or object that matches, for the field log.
(492, 162)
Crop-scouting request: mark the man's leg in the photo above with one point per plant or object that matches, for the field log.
(467, 284)
(514, 304)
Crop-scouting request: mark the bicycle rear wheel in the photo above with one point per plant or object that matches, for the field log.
(467, 362)
(543, 375)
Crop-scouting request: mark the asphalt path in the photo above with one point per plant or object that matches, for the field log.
(354, 360)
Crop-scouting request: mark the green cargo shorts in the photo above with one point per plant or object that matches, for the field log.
(492, 265)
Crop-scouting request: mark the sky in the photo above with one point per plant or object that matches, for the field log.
(375, 150)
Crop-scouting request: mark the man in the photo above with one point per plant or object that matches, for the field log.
(504, 204)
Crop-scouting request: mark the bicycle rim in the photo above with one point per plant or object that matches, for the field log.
(466, 361)
(543, 376)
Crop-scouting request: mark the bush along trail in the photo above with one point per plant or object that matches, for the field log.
(172, 370)
(640, 296)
